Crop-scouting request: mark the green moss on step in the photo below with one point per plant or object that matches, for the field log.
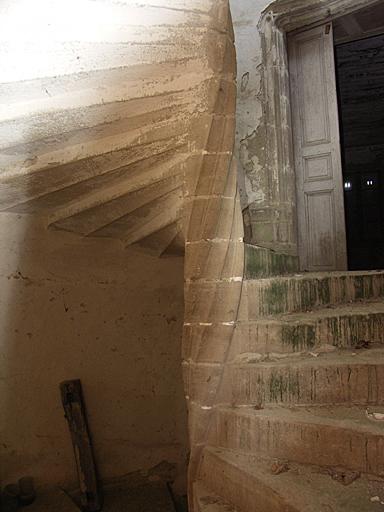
(359, 287)
(261, 262)
(284, 388)
(333, 325)
(299, 337)
(275, 297)
(324, 291)
(369, 288)
(306, 290)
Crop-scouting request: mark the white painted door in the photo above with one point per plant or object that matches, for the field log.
(317, 154)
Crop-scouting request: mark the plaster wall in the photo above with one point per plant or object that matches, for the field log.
(87, 100)
(88, 309)
(265, 174)
(249, 115)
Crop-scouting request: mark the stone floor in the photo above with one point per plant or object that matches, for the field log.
(137, 499)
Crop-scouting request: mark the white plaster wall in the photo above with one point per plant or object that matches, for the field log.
(73, 308)
(246, 15)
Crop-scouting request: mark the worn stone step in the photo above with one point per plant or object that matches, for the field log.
(324, 436)
(304, 292)
(262, 262)
(341, 377)
(105, 188)
(207, 501)
(342, 326)
(90, 220)
(150, 218)
(248, 483)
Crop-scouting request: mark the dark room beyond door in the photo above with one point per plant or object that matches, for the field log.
(360, 77)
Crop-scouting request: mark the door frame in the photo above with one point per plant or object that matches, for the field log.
(279, 18)
(319, 192)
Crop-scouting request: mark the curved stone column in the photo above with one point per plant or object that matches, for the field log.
(214, 257)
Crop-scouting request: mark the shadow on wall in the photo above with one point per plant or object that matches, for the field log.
(74, 306)
(91, 310)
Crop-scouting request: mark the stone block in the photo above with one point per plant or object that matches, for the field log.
(211, 302)
(207, 174)
(201, 381)
(261, 262)
(222, 259)
(221, 54)
(304, 292)
(207, 343)
(304, 436)
(209, 218)
(334, 380)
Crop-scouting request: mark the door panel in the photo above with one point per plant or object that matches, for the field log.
(319, 182)
(322, 230)
(312, 86)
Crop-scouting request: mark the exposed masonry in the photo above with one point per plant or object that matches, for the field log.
(222, 220)
(305, 361)
(215, 240)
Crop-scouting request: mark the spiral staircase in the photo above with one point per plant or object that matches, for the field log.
(301, 425)
(284, 374)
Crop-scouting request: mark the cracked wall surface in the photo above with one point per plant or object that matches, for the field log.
(250, 139)
(263, 133)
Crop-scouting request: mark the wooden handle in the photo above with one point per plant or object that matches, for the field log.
(75, 413)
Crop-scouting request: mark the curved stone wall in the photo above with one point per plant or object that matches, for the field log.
(117, 130)
(214, 260)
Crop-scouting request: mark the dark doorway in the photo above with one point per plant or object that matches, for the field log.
(360, 77)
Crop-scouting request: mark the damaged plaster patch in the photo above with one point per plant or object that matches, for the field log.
(253, 162)
(244, 82)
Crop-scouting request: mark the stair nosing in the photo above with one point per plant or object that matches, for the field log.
(295, 415)
(338, 357)
(317, 275)
(254, 467)
(340, 310)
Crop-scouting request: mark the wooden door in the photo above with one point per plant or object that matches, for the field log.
(317, 154)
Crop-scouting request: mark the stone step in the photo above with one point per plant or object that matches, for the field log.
(102, 215)
(44, 181)
(106, 188)
(325, 436)
(208, 501)
(88, 144)
(344, 326)
(86, 90)
(340, 377)
(144, 221)
(248, 483)
(304, 292)
(262, 262)
(165, 241)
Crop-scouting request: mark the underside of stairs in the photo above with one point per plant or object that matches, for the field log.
(300, 421)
